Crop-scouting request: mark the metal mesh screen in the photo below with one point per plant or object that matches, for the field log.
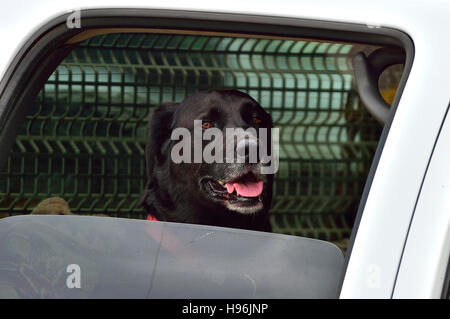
(84, 136)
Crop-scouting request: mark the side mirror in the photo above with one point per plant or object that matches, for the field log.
(95, 257)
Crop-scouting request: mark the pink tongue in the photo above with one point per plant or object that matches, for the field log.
(246, 189)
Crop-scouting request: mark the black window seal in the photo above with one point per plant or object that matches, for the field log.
(46, 48)
(446, 288)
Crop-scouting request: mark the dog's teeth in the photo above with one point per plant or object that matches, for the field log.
(221, 183)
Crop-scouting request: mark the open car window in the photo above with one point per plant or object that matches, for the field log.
(83, 138)
(84, 135)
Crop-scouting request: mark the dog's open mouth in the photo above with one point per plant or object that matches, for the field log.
(242, 194)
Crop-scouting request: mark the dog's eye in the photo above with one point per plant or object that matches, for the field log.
(256, 121)
(206, 125)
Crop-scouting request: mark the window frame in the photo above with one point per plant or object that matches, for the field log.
(46, 48)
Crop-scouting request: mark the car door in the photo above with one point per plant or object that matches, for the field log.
(401, 159)
(424, 265)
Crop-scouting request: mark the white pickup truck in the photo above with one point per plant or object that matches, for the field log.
(359, 89)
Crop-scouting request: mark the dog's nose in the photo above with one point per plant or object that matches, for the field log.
(247, 150)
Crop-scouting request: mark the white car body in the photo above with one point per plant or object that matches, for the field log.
(402, 245)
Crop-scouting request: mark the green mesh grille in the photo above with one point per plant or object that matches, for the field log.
(84, 135)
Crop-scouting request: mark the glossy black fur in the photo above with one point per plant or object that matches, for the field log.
(173, 192)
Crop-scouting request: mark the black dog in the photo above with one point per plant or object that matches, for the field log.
(221, 194)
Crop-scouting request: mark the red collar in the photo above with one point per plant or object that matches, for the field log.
(152, 218)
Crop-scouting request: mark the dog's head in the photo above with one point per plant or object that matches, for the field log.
(211, 169)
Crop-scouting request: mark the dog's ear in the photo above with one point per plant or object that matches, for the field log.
(159, 131)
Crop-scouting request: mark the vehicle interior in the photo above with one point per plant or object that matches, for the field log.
(84, 135)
